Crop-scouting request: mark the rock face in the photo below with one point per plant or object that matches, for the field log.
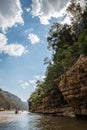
(70, 95)
(50, 102)
(73, 86)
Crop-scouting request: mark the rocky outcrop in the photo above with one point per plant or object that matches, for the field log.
(73, 86)
(50, 102)
(69, 97)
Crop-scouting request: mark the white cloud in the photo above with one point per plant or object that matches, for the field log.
(47, 9)
(13, 49)
(43, 77)
(27, 9)
(39, 77)
(33, 38)
(32, 81)
(35, 78)
(25, 85)
(67, 19)
(10, 14)
(29, 30)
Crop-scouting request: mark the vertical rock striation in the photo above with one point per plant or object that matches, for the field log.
(50, 102)
(69, 95)
(73, 86)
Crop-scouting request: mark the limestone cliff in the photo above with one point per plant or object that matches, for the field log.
(73, 86)
(70, 95)
(50, 102)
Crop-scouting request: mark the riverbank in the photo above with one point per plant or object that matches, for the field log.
(8, 116)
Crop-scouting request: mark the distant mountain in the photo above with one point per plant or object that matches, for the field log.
(9, 101)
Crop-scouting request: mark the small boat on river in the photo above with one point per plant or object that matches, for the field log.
(16, 111)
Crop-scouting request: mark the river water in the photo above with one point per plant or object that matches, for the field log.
(29, 121)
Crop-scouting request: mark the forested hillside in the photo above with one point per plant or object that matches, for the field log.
(67, 43)
(9, 101)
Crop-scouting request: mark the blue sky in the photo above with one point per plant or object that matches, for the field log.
(24, 26)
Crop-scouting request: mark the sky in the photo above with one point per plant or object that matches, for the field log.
(24, 26)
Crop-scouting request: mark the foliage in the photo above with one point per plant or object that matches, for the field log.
(67, 43)
(5, 103)
(9, 101)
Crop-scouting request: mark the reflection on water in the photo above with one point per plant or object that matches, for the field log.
(61, 123)
(28, 121)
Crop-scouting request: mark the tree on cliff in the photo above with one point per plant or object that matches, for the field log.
(66, 42)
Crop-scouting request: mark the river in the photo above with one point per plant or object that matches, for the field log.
(29, 121)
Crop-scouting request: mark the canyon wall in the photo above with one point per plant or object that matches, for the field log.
(73, 86)
(69, 94)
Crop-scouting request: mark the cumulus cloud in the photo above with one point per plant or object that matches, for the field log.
(13, 49)
(67, 19)
(33, 38)
(47, 9)
(10, 13)
(35, 78)
(40, 77)
(43, 77)
(33, 81)
(25, 85)
(27, 9)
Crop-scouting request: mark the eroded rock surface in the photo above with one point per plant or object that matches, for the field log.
(69, 97)
(73, 86)
(50, 102)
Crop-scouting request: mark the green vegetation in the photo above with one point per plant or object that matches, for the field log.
(67, 42)
(6, 103)
(9, 101)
